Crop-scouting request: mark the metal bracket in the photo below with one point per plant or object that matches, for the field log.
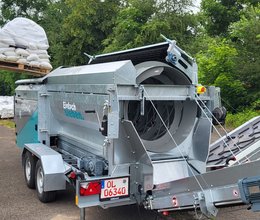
(206, 204)
(44, 94)
(142, 98)
(148, 202)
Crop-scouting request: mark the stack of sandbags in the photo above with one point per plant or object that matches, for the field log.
(6, 107)
(23, 41)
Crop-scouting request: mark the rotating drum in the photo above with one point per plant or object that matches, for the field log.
(178, 116)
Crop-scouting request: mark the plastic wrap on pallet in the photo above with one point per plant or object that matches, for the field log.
(25, 32)
(6, 107)
(25, 42)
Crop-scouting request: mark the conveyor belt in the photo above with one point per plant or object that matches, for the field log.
(244, 142)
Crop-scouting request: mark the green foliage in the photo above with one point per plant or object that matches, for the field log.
(244, 34)
(235, 120)
(87, 24)
(217, 66)
(224, 37)
(7, 80)
(141, 22)
(11, 9)
(128, 25)
(232, 91)
(220, 14)
(217, 60)
(51, 21)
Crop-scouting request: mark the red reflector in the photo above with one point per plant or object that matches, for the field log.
(90, 188)
(72, 175)
(165, 213)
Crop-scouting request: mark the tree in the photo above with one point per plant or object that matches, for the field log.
(217, 67)
(246, 38)
(7, 79)
(52, 20)
(87, 24)
(32, 9)
(142, 22)
(219, 14)
(129, 24)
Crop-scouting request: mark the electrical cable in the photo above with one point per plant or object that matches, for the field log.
(227, 135)
(230, 150)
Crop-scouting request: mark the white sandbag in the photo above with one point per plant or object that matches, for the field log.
(8, 41)
(27, 30)
(7, 113)
(6, 106)
(6, 34)
(22, 52)
(10, 49)
(2, 57)
(10, 53)
(12, 58)
(32, 57)
(43, 56)
(3, 45)
(44, 60)
(45, 65)
(32, 46)
(20, 42)
(34, 64)
(42, 46)
(38, 51)
(5, 38)
(22, 61)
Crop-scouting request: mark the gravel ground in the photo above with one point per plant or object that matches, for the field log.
(19, 202)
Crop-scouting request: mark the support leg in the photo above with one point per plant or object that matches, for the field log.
(82, 213)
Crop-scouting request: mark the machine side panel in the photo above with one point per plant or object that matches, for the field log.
(28, 134)
(26, 114)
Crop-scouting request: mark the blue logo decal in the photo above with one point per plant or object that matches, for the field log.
(73, 114)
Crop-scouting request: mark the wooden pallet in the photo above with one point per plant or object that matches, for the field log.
(23, 68)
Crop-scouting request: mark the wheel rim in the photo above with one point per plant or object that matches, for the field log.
(28, 167)
(40, 180)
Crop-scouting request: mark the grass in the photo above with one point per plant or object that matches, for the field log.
(7, 123)
(235, 120)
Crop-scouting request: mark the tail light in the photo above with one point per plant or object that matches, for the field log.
(90, 188)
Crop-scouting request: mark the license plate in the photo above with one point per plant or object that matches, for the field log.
(114, 188)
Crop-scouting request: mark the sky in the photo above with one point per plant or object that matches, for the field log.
(196, 4)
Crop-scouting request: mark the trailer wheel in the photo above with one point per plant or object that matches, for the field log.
(29, 169)
(39, 177)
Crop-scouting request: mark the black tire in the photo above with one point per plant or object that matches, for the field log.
(39, 183)
(29, 169)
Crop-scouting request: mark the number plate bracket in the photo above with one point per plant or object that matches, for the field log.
(116, 188)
